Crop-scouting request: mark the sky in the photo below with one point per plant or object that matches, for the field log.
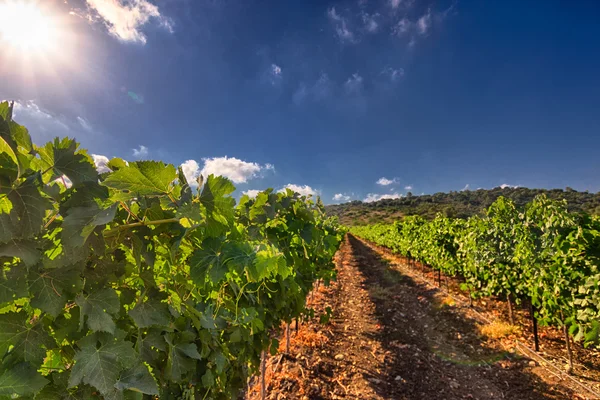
(349, 100)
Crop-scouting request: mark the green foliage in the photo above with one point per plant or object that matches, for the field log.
(456, 204)
(542, 253)
(131, 283)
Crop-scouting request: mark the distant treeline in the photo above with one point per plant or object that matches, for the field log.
(455, 204)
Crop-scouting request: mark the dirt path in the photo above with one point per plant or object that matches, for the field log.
(391, 337)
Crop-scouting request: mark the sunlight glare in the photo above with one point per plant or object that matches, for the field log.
(24, 26)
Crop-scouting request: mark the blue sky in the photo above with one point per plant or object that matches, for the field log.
(329, 97)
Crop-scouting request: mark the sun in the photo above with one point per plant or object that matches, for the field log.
(25, 27)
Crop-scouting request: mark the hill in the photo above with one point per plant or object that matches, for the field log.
(461, 204)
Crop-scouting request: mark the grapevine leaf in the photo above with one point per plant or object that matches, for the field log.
(98, 307)
(138, 379)
(21, 136)
(150, 313)
(26, 339)
(21, 380)
(186, 191)
(57, 389)
(208, 379)
(13, 284)
(148, 178)
(5, 110)
(100, 364)
(26, 250)
(49, 288)
(81, 222)
(5, 207)
(8, 162)
(61, 157)
(26, 217)
(219, 205)
(182, 356)
(206, 261)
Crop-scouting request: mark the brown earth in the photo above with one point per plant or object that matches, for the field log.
(394, 336)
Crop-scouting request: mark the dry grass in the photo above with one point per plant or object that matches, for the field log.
(448, 302)
(498, 330)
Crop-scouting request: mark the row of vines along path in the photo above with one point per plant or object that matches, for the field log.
(392, 335)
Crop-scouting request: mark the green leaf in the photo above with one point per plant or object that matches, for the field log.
(5, 110)
(21, 136)
(98, 307)
(138, 379)
(26, 250)
(182, 356)
(26, 217)
(81, 222)
(219, 205)
(208, 379)
(150, 313)
(13, 284)
(29, 342)
(206, 262)
(9, 164)
(100, 365)
(21, 380)
(61, 157)
(146, 178)
(49, 288)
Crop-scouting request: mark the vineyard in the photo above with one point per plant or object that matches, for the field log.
(541, 256)
(136, 283)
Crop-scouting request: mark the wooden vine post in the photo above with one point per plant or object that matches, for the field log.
(263, 371)
(510, 309)
(535, 328)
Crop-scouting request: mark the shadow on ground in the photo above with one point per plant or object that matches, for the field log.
(432, 350)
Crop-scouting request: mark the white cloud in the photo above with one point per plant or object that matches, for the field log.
(409, 187)
(84, 124)
(321, 90)
(101, 163)
(354, 84)
(371, 197)
(341, 197)
(395, 3)
(402, 27)
(424, 23)
(125, 18)
(333, 14)
(140, 152)
(507, 186)
(303, 190)
(191, 170)
(275, 69)
(370, 22)
(274, 74)
(252, 193)
(467, 187)
(42, 125)
(340, 23)
(394, 74)
(235, 169)
(383, 181)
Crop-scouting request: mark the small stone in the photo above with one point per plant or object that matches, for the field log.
(454, 385)
(532, 363)
(398, 378)
(339, 357)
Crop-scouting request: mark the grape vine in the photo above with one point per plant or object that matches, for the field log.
(136, 283)
(542, 255)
